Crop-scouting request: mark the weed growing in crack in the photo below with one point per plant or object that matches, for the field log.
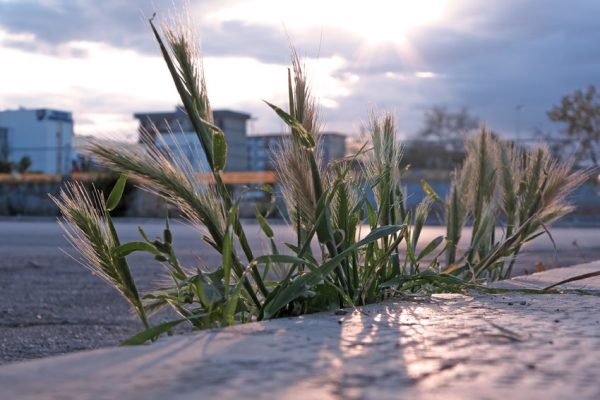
(326, 205)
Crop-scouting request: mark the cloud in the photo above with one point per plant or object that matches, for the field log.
(488, 56)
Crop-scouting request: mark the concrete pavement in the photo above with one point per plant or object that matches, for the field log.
(476, 346)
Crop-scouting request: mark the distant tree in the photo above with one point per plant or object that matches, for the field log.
(559, 148)
(6, 167)
(24, 164)
(442, 124)
(581, 114)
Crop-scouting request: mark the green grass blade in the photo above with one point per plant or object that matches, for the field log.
(430, 247)
(232, 302)
(573, 279)
(126, 277)
(117, 192)
(264, 225)
(155, 331)
(304, 137)
(305, 255)
(299, 285)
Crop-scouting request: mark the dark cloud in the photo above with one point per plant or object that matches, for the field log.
(121, 24)
(236, 38)
(115, 22)
(270, 44)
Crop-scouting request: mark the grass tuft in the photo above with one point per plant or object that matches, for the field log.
(327, 203)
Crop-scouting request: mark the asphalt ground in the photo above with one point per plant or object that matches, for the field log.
(49, 304)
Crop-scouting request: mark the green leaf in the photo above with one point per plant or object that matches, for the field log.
(227, 247)
(327, 299)
(128, 248)
(297, 128)
(265, 188)
(430, 192)
(430, 247)
(219, 150)
(157, 330)
(117, 192)
(263, 223)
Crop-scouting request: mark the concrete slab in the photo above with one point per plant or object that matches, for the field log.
(544, 279)
(472, 347)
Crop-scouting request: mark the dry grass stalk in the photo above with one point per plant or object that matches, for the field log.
(381, 165)
(458, 207)
(170, 176)
(292, 160)
(511, 173)
(90, 235)
(180, 34)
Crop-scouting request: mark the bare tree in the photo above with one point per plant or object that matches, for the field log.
(442, 124)
(581, 114)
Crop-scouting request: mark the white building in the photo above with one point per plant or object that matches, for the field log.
(232, 123)
(44, 135)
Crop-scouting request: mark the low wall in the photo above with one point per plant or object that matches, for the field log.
(28, 195)
(29, 198)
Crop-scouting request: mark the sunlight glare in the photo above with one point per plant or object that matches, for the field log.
(375, 21)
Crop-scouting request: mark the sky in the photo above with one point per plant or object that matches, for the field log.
(98, 59)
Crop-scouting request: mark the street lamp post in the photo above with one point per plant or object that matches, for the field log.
(518, 123)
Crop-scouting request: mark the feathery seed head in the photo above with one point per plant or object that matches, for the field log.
(384, 158)
(170, 176)
(89, 234)
(292, 161)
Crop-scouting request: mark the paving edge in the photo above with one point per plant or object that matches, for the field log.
(477, 346)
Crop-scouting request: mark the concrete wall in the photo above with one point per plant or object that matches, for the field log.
(29, 198)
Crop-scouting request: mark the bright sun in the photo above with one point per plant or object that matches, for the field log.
(375, 20)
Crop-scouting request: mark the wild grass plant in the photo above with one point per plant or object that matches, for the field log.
(327, 206)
